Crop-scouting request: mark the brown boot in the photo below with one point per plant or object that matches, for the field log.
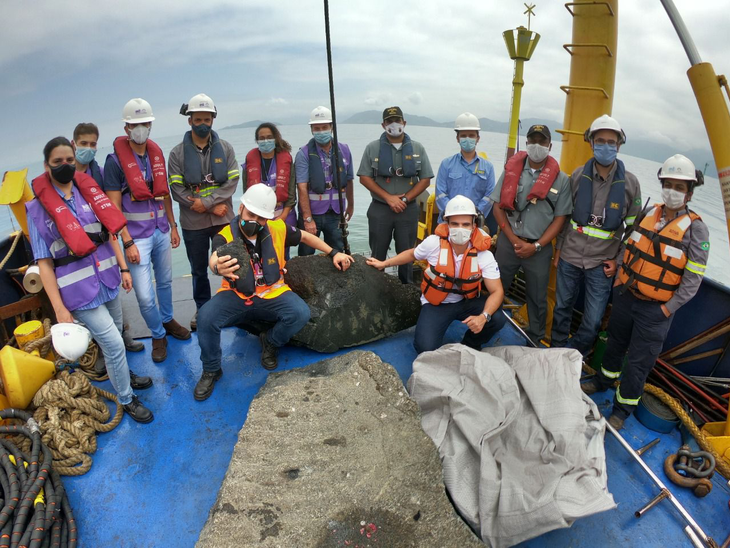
(176, 330)
(159, 350)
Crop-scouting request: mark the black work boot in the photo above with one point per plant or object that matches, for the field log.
(590, 387)
(129, 343)
(194, 322)
(138, 411)
(139, 383)
(268, 353)
(205, 385)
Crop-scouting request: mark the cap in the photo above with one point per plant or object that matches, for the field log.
(392, 112)
(541, 129)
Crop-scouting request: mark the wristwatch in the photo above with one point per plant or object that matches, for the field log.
(487, 315)
(404, 199)
(538, 247)
(308, 219)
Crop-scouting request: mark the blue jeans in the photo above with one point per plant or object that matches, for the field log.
(329, 225)
(434, 320)
(197, 246)
(105, 324)
(289, 312)
(597, 292)
(154, 252)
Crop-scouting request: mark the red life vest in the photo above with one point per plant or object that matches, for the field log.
(283, 172)
(440, 279)
(513, 171)
(77, 240)
(136, 181)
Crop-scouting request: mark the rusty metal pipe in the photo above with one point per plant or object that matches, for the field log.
(648, 446)
(663, 494)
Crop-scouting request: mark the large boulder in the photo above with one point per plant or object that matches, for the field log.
(334, 455)
(348, 308)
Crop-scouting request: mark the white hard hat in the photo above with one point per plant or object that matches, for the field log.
(678, 167)
(201, 103)
(460, 205)
(260, 200)
(320, 115)
(467, 121)
(605, 122)
(70, 340)
(137, 111)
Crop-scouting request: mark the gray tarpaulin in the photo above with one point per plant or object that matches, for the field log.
(522, 447)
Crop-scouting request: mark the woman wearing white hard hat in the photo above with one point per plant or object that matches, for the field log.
(73, 227)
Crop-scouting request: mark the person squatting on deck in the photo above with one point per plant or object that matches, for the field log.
(319, 200)
(396, 171)
(261, 293)
(136, 181)
(460, 260)
(662, 269)
(531, 202)
(466, 173)
(203, 174)
(72, 226)
(606, 200)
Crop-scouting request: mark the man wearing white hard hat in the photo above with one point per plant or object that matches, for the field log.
(452, 288)
(203, 174)
(317, 182)
(652, 286)
(466, 173)
(606, 200)
(256, 290)
(136, 181)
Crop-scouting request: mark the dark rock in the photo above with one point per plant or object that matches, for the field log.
(324, 477)
(348, 308)
(237, 250)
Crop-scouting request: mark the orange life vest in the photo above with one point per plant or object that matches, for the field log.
(440, 279)
(654, 262)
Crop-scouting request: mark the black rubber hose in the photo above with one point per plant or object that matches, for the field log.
(12, 496)
(38, 532)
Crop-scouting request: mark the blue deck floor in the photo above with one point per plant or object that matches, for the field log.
(153, 485)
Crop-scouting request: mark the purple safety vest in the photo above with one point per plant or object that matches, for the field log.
(321, 203)
(145, 215)
(78, 281)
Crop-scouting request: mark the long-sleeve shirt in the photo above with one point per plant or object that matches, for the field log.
(192, 220)
(474, 179)
(585, 251)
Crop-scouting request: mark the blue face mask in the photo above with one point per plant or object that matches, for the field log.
(605, 154)
(322, 137)
(85, 155)
(266, 145)
(467, 144)
(202, 130)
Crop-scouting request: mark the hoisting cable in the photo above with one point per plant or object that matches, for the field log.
(335, 144)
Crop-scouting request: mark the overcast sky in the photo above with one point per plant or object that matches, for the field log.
(72, 61)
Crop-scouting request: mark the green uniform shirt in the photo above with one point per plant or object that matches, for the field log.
(395, 184)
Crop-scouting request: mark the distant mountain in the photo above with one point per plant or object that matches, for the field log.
(251, 123)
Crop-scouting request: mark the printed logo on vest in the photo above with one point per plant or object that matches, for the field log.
(705, 246)
(272, 260)
(614, 205)
(637, 201)
(218, 160)
(94, 190)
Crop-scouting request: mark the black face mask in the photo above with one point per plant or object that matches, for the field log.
(250, 228)
(63, 173)
(202, 130)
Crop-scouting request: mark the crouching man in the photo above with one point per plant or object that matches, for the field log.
(260, 292)
(459, 258)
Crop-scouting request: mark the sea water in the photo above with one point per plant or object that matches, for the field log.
(439, 143)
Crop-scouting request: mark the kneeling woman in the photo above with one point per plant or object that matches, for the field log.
(70, 222)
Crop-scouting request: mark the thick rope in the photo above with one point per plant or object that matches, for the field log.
(12, 250)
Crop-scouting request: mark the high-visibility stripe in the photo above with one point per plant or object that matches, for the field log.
(139, 217)
(107, 263)
(75, 276)
(592, 231)
(610, 374)
(697, 268)
(207, 191)
(92, 227)
(278, 285)
(626, 401)
(630, 220)
(233, 173)
(318, 197)
(57, 246)
(176, 179)
(684, 222)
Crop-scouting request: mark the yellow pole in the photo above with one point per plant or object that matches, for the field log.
(514, 121)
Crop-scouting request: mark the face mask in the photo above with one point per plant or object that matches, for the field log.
(250, 228)
(85, 155)
(63, 173)
(674, 199)
(395, 129)
(266, 145)
(537, 153)
(139, 134)
(322, 137)
(605, 154)
(467, 144)
(459, 236)
(202, 130)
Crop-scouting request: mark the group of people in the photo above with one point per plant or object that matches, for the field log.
(93, 229)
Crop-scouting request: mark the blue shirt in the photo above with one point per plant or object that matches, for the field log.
(301, 164)
(113, 174)
(474, 179)
(41, 251)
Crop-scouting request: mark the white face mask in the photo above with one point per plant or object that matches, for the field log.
(139, 134)
(537, 153)
(394, 129)
(673, 199)
(459, 236)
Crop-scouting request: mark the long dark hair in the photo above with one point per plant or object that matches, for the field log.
(55, 143)
(281, 144)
